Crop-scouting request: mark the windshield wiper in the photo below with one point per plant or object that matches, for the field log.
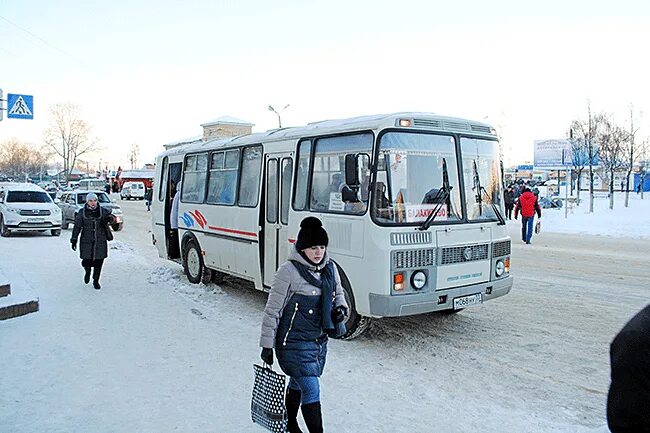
(480, 190)
(441, 198)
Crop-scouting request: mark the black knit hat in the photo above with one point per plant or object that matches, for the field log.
(311, 234)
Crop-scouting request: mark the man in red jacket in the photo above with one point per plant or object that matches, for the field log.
(528, 205)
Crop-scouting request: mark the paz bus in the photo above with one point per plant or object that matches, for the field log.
(412, 203)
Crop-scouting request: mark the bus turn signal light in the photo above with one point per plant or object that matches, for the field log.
(398, 281)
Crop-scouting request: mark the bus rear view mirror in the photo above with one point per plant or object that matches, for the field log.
(351, 170)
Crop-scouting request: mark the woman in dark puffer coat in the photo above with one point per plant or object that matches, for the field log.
(306, 304)
(92, 224)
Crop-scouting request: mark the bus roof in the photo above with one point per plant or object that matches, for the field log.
(419, 121)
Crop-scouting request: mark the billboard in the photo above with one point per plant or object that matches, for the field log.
(552, 154)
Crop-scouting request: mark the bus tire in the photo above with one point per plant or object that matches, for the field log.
(356, 324)
(193, 261)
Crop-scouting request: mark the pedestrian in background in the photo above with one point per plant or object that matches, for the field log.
(528, 205)
(509, 197)
(628, 401)
(305, 305)
(91, 225)
(148, 196)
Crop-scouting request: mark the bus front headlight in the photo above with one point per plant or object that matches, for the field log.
(418, 280)
(500, 268)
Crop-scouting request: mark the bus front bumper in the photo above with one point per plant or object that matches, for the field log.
(426, 302)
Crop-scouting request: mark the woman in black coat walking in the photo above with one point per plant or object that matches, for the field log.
(92, 223)
(306, 304)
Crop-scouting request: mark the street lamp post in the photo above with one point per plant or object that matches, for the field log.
(278, 114)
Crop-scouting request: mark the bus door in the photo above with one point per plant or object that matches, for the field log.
(171, 177)
(279, 170)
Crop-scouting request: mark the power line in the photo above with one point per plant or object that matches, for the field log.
(40, 39)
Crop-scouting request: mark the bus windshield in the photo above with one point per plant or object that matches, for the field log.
(411, 170)
(481, 177)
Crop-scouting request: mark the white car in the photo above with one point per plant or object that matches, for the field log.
(131, 190)
(26, 207)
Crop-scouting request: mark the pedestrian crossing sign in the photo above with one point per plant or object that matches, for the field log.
(20, 106)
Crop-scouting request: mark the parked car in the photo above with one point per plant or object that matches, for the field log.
(27, 207)
(73, 201)
(133, 190)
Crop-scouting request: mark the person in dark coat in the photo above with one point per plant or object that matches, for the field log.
(628, 401)
(92, 224)
(306, 304)
(509, 198)
(148, 196)
(528, 205)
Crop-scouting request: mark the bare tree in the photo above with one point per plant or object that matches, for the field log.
(612, 141)
(134, 154)
(585, 133)
(578, 155)
(19, 159)
(69, 136)
(631, 153)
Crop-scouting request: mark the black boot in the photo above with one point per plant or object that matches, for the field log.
(313, 417)
(96, 272)
(292, 401)
(87, 275)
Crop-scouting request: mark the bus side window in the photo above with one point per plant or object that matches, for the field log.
(302, 175)
(194, 178)
(249, 186)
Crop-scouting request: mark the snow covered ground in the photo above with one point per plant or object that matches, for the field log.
(631, 221)
(151, 352)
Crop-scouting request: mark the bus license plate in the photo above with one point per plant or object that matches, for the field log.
(467, 301)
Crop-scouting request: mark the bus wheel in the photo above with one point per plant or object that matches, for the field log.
(355, 324)
(193, 262)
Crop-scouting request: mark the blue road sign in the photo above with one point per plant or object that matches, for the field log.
(20, 106)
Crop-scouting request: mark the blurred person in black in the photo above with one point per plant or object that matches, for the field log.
(628, 402)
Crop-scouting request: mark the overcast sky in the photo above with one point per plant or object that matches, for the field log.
(150, 72)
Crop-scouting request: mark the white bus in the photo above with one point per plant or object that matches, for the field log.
(92, 184)
(412, 203)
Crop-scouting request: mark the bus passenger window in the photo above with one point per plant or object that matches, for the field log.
(249, 187)
(193, 186)
(222, 184)
(302, 175)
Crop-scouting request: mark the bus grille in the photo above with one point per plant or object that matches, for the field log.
(27, 212)
(456, 125)
(414, 258)
(467, 253)
(500, 249)
(410, 238)
(481, 128)
(427, 122)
